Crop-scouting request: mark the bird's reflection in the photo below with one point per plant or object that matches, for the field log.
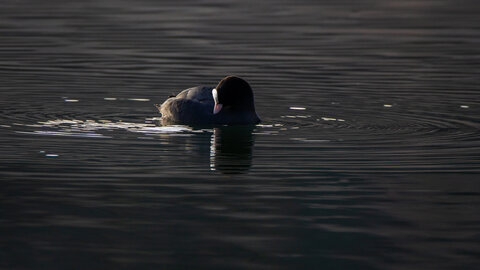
(231, 149)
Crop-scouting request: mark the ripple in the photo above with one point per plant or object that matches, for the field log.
(93, 129)
(398, 139)
(64, 134)
(298, 108)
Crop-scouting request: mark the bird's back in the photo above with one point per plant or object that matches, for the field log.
(193, 105)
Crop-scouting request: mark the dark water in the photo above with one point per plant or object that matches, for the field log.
(368, 156)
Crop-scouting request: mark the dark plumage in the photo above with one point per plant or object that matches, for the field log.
(197, 105)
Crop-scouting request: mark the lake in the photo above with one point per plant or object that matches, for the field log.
(367, 156)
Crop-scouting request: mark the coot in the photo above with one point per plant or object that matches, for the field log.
(229, 103)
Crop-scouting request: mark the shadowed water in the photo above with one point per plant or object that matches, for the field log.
(367, 156)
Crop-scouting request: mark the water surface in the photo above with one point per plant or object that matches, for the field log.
(368, 156)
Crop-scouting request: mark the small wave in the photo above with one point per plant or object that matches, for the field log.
(94, 129)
